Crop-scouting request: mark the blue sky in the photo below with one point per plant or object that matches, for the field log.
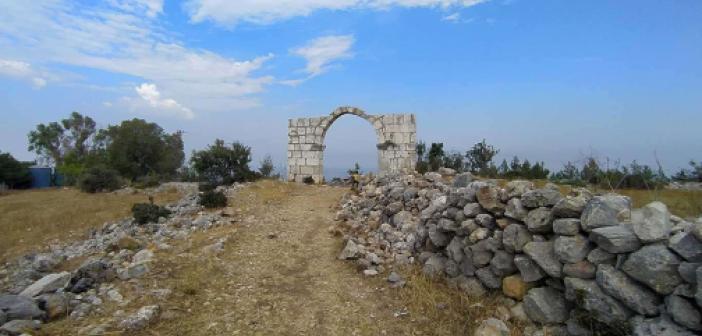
(550, 80)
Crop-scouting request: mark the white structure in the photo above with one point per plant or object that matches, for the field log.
(397, 143)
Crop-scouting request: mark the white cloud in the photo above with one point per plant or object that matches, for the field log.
(150, 94)
(455, 17)
(21, 70)
(267, 11)
(320, 53)
(123, 37)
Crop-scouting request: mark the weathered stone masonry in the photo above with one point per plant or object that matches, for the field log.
(396, 133)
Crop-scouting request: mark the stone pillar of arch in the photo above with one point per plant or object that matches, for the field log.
(396, 135)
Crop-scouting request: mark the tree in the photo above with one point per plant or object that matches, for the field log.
(72, 136)
(355, 170)
(480, 157)
(422, 165)
(221, 164)
(436, 156)
(14, 174)
(266, 168)
(136, 148)
(454, 160)
(591, 171)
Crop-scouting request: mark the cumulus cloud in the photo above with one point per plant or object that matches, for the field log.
(268, 11)
(320, 54)
(21, 70)
(124, 37)
(150, 94)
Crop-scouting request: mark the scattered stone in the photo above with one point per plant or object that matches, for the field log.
(687, 246)
(488, 278)
(502, 263)
(19, 327)
(566, 226)
(492, 327)
(140, 319)
(687, 271)
(571, 249)
(17, 307)
(55, 305)
(128, 243)
(396, 280)
(600, 256)
(370, 272)
(545, 305)
(517, 188)
(514, 237)
(438, 237)
(655, 266)
(471, 286)
(472, 209)
(48, 284)
(569, 207)
(607, 210)
(683, 312)
(636, 297)
(350, 252)
(516, 210)
(143, 256)
(517, 312)
(434, 266)
(657, 326)
(582, 269)
(488, 197)
(461, 180)
(541, 198)
(542, 253)
(652, 222)
(615, 239)
(587, 295)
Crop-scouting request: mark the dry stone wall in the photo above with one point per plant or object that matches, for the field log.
(396, 135)
(571, 262)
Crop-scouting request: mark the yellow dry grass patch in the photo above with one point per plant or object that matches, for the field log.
(33, 219)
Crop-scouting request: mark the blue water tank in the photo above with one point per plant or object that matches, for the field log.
(41, 177)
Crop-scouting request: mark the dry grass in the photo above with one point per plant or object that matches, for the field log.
(32, 219)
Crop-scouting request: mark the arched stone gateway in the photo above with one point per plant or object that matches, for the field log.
(396, 133)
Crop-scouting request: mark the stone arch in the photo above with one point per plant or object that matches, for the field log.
(396, 136)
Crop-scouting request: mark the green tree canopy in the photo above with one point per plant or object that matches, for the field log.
(221, 164)
(14, 174)
(57, 140)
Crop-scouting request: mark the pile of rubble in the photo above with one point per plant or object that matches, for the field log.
(31, 292)
(570, 262)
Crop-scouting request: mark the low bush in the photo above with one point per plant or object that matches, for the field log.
(148, 212)
(213, 199)
(147, 181)
(99, 179)
(204, 187)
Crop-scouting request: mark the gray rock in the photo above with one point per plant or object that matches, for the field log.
(492, 327)
(472, 209)
(685, 290)
(571, 249)
(142, 318)
(3, 317)
(461, 180)
(566, 226)
(683, 312)
(542, 253)
(18, 307)
(435, 266)
(687, 271)
(528, 269)
(545, 305)
(539, 220)
(600, 256)
(437, 237)
(607, 210)
(47, 284)
(652, 222)
(696, 230)
(502, 264)
(432, 177)
(582, 269)
(19, 327)
(657, 326)
(570, 207)
(575, 328)
(687, 246)
(481, 258)
(615, 239)
(516, 210)
(452, 269)
(467, 268)
(514, 237)
(485, 221)
(517, 188)
(636, 297)
(91, 272)
(447, 225)
(698, 293)
(587, 295)
(541, 198)
(350, 252)
(133, 271)
(455, 249)
(488, 278)
(655, 266)
(396, 280)
(55, 305)
(470, 286)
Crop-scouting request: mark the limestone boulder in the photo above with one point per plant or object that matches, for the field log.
(570, 207)
(652, 222)
(588, 295)
(514, 237)
(542, 254)
(541, 198)
(492, 327)
(545, 305)
(517, 188)
(683, 312)
(539, 220)
(47, 284)
(566, 226)
(528, 269)
(571, 249)
(514, 287)
(687, 246)
(489, 198)
(654, 266)
(516, 210)
(615, 239)
(17, 307)
(618, 285)
(607, 210)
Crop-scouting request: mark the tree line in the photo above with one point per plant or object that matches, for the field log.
(479, 160)
(134, 152)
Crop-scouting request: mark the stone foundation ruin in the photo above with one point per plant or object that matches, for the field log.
(396, 133)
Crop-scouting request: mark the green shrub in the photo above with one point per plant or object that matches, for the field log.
(308, 180)
(14, 174)
(99, 179)
(147, 181)
(203, 187)
(148, 212)
(213, 199)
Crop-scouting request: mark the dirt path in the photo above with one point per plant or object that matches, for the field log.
(279, 275)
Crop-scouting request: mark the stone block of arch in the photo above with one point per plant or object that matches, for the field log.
(396, 142)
